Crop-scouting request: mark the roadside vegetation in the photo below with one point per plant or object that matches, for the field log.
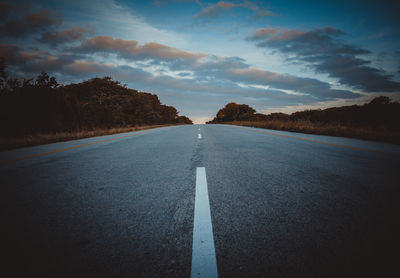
(377, 120)
(39, 110)
(7, 142)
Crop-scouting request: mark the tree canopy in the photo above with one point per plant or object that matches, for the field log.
(381, 111)
(40, 104)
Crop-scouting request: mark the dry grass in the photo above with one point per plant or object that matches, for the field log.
(376, 134)
(7, 143)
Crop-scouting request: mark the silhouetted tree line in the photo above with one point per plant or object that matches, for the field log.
(234, 112)
(42, 105)
(380, 112)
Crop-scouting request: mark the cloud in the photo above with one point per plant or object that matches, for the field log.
(214, 76)
(227, 5)
(29, 24)
(82, 67)
(9, 11)
(258, 12)
(234, 69)
(215, 10)
(130, 49)
(310, 86)
(273, 34)
(49, 63)
(14, 55)
(5, 10)
(11, 52)
(204, 70)
(209, 12)
(36, 61)
(162, 2)
(160, 51)
(323, 51)
(121, 19)
(89, 69)
(157, 67)
(65, 36)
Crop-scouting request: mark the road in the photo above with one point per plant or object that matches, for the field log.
(282, 205)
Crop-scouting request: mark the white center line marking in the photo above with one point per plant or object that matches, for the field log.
(204, 262)
(199, 135)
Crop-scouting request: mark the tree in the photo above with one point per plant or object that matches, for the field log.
(3, 74)
(234, 112)
(45, 81)
(382, 100)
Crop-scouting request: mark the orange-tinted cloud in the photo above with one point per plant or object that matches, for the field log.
(84, 67)
(227, 5)
(259, 12)
(108, 44)
(274, 34)
(130, 49)
(160, 51)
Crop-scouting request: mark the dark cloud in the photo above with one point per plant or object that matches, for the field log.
(9, 11)
(65, 36)
(50, 63)
(323, 51)
(5, 11)
(15, 56)
(29, 24)
(313, 87)
(35, 61)
(11, 52)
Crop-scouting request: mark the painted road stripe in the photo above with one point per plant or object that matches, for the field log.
(199, 135)
(204, 262)
(71, 148)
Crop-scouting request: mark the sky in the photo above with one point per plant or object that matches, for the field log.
(276, 56)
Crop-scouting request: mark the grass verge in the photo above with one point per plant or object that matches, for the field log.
(367, 133)
(7, 143)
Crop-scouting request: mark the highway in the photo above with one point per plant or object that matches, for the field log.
(269, 204)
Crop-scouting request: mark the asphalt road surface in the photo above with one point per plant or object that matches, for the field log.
(282, 205)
